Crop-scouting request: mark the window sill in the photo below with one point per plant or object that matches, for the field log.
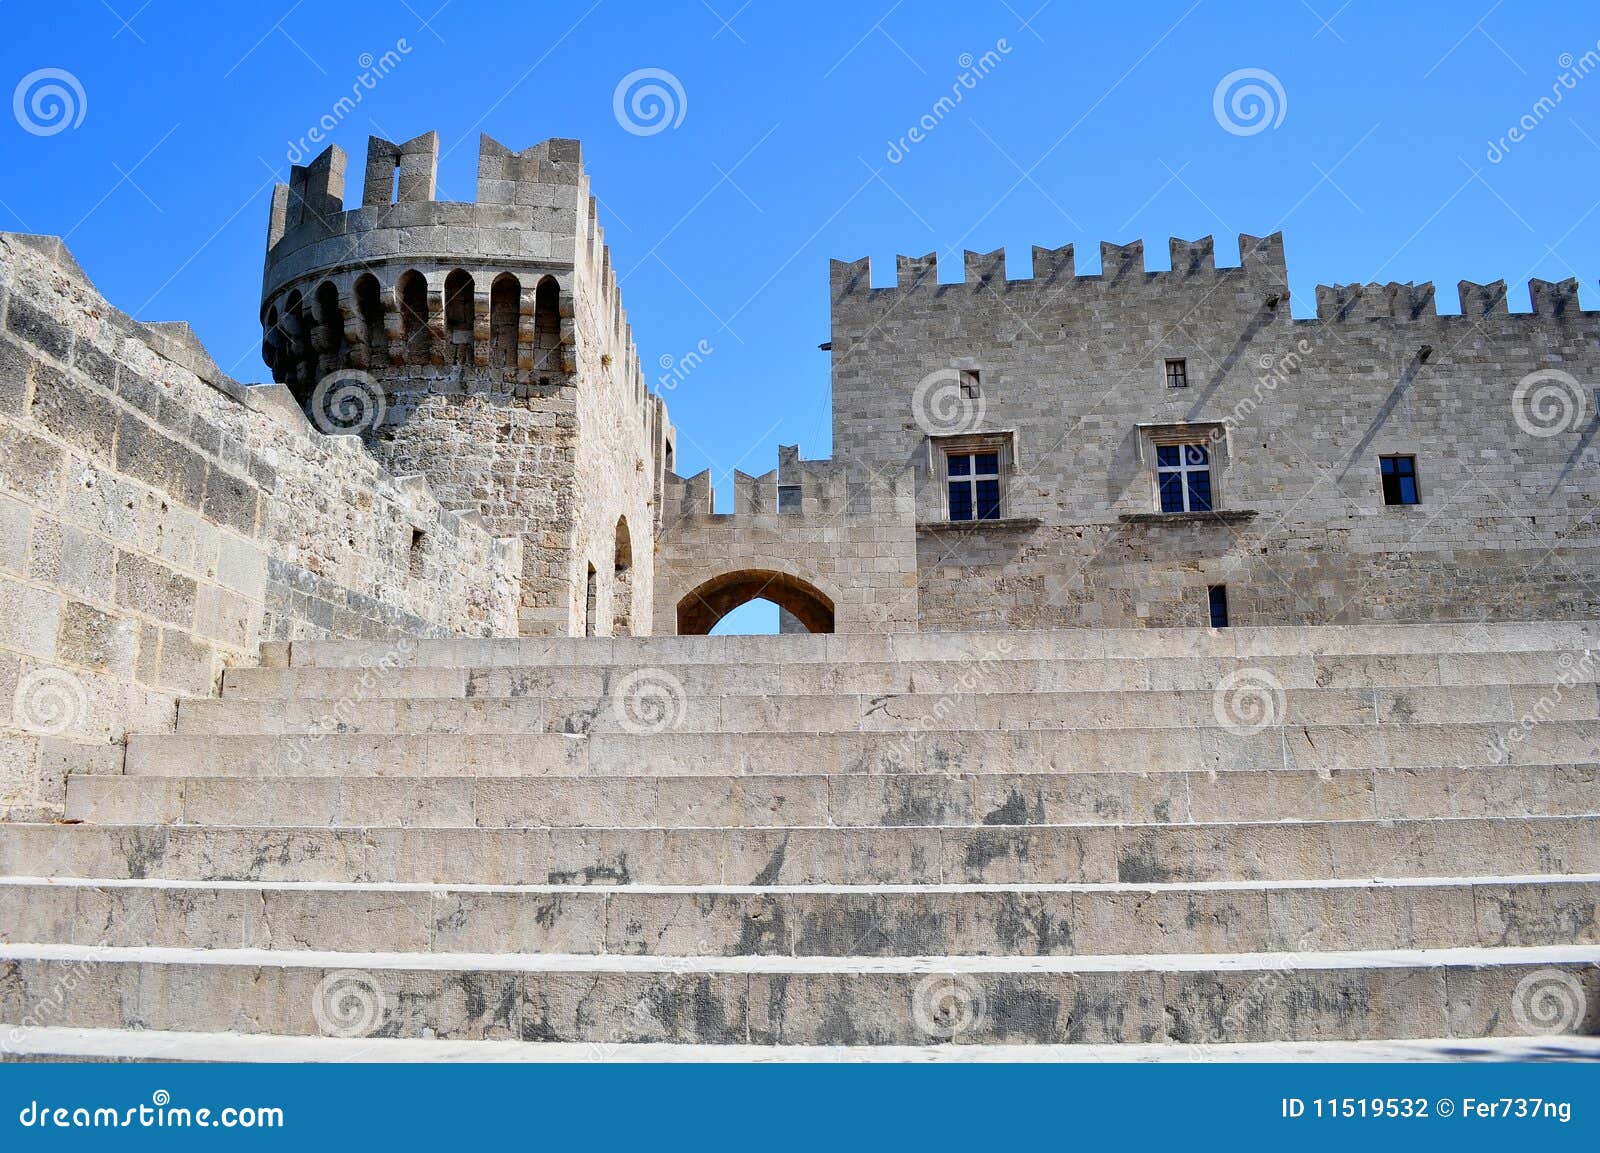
(1004, 524)
(1215, 516)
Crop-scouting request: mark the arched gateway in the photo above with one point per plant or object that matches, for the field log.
(704, 606)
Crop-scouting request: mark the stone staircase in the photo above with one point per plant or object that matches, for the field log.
(1171, 837)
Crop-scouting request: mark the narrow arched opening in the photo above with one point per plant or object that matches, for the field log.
(622, 581)
(458, 290)
(591, 603)
(369, 305)
(414, 318)
(505, 299)
(295, 351)
(330, 328)
(547, 328)
(701, 609)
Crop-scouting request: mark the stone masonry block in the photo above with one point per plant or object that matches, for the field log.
(16, 520)
(151, 456)
(77, 562)
(82, 417)
(29, 617)
(38, 328)
(29, 466)
(231, 501)
(97, 639)
(150, 587)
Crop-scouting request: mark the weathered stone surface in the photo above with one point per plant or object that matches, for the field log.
(157, 523)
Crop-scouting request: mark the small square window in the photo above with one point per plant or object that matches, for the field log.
(1217, 597)
(1399, 479)
(1183, 477)
(789, 498)
(970, 387)
(973, 485)
(1177, 373)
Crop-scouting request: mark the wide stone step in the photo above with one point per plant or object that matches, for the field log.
(1049, 854)
(1060, 644)
(52, 1043)
(831, 922)
(849, 799)
(678, 752)
(1561, 673)
(838, 712)
(1464, 993)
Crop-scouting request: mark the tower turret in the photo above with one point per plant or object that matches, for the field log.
(483, 345)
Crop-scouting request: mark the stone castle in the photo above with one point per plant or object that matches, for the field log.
(502, 361)
(1193, 674)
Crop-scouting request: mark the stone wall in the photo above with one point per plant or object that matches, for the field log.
(849, 535)
(1071, 375)
(158, 521)
(619, 467)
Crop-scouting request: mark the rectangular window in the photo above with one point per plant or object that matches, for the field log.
(1399, 479)
(1183, 477)
(789, 498)
(1177, 373)
(974, 485)
(969, 384)
(1217, 595)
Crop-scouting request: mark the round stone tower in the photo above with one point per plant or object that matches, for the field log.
(484, 346)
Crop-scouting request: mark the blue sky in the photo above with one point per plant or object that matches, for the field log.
(1385, 153)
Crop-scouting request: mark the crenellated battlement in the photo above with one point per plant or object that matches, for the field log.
(513, 188)
(1261, 257)
(1408, 301)
(1122, 266)
(797, 492)
(407, 282)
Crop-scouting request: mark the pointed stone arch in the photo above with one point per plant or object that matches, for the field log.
(706, 604)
